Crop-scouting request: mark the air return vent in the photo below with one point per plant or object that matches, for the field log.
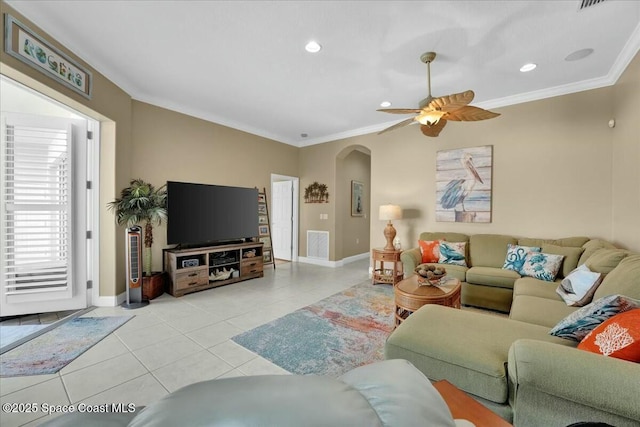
(318, 244)
(588, 3)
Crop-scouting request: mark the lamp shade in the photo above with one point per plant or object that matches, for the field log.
(390, 212)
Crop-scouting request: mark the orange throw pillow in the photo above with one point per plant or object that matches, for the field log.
(618, 336)
(430, 250)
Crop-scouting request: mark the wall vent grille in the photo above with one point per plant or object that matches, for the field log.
(318, 244)
(588, 3)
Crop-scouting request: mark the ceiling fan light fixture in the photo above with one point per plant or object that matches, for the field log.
(528, 67)
(429, 118)
(385, 104)
(313, 47)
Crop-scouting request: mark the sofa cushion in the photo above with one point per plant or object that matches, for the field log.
(429, 250)
(453, 253)
(624, 279)
(539, 310)
(542, 266)
(468, 349)
(536, 288)
(571, 256)
(516, 254)
(617, 337)
(565, 241)
(489, 250)
(605, 260)
(449, 237)
(492, 276)
(579, 323)
(591, 246)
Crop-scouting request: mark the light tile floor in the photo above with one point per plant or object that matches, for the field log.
(173, 342)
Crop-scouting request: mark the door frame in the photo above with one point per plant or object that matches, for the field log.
(295, 224)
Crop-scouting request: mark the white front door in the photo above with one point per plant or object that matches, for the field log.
(282, 219)
(43, 204)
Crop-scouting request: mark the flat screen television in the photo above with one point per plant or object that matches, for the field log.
(200, 214)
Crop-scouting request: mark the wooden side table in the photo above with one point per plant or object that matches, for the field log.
(410, 296)
(463, 406)
(385, 274)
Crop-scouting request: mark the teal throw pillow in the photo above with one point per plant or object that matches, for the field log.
(453, 253)
(578, 324)
(516, 255)
(541, 266)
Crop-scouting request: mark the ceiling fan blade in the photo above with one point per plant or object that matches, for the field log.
(470, 114)
(451, 102)
(433, 130)
(400, 110)
(405, 122)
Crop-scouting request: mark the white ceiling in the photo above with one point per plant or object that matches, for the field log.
(243, 63)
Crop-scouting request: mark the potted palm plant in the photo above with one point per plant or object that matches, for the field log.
(142, 203)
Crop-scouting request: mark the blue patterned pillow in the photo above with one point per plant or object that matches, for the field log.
(578, 324)
(516, 255)
(453, 253)
(541, 266)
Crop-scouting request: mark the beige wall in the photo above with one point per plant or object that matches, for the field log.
(352, 232)
(169, 146)
(626, 158)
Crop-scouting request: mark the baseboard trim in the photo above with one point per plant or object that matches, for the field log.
(333, 264)
(111, 301)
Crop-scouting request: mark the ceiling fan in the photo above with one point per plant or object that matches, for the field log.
(433, 113)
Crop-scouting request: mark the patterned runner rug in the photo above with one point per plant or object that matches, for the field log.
(55, 349)
(330, 337)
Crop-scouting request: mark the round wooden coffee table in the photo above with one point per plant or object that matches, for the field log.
(410, 295)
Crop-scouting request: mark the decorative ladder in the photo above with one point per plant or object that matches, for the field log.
(264, 228)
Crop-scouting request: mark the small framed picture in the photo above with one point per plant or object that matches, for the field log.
(261, 198)
(266, 256)
(262, 209)
(266, 240)
(263, 230)
(357, 195)
(262, 219)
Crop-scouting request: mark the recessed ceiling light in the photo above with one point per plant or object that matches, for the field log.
(579, 54)
(528, 67)
(313, 47)
(385, 104)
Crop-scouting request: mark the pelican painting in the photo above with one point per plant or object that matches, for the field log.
(463, 179)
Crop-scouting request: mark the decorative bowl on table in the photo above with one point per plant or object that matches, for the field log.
(430, 274)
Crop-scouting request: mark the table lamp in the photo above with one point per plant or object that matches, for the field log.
(389, 212)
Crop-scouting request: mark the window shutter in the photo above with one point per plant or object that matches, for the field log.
(37, 212)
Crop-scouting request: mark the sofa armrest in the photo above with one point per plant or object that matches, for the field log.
(567, 374)
(410, 258)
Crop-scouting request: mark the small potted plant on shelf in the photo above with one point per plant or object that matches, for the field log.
(141, 203)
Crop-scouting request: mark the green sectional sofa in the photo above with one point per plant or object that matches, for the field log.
(485, 283)
(512, 365)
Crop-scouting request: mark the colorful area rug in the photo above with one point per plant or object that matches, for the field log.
(55, 349)
(330, 337)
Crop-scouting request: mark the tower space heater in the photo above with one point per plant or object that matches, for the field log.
(133, 244)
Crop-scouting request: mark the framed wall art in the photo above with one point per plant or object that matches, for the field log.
(28, 47)
(464, 184)
(357, 198)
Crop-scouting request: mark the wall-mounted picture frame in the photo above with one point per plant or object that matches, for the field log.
(262, 198)
(262, 219)
(266, 256)
(25, 45)
(464, 184)
(357, 198)
(263, 230)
